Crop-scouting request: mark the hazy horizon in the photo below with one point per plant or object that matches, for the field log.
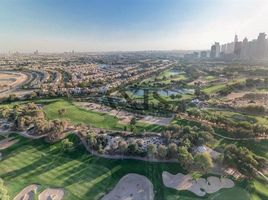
(127, 25)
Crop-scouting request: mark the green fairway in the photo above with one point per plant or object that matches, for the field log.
(214, 88)
(78, 115)
(83, 176)
(100, 120)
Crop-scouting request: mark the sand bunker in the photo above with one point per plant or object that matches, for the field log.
(5, 143)
(27, 193)
(162, 121)
(132, 187)
(200, 187)
(51, 194)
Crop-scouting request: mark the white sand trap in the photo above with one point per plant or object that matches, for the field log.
(200, 187)
(162, 121)
(132, 187)
(51, 194)
(27, 193)
(5, 143)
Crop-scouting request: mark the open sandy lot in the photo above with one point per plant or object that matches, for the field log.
(200, 187)
(248, 98)
(132, 187)
(51, 194)
(235, 95)
(11, 79)
(27, 193)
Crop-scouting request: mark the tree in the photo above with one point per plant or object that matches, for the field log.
(12, 97)
(67, 145)
(151, 150)
(62, 111)
(203, 162)
(242, 159)
(185, 158)
(132, 148)
(167, 135)
(196, 176)
(132, 124)
(92, 141)
(21, 123)
(162, 151)
(56, 131)
(133, 121)
(172, 150)
(122, 146)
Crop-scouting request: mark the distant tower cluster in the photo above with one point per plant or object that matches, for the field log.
(255, 49)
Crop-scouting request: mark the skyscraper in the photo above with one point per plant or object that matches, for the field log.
(261, 46)
(213, 51)
(237, 47)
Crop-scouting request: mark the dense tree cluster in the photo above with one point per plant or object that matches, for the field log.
(247, 128)
(23, 116)
(30, 117)
(250, 83)
(243, 160)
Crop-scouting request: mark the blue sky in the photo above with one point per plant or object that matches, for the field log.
(111, 25)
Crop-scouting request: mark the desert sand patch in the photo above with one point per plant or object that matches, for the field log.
(132, 187)
(11, 79)
(248, 98)
(51, 194)
(201, 187)
(235, 95)
(27, 193)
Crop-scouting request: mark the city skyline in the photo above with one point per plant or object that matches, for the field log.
(117, 25)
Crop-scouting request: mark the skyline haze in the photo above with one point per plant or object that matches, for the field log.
(120, 25)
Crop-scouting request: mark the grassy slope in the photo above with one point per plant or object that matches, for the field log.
(218, 86)
(84, 176)
(262, 120)
(78, 115)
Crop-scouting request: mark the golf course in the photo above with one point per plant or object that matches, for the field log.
(84, 176)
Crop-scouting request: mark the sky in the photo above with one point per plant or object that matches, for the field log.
(127, 25)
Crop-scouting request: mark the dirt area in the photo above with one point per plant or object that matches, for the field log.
(235, 95)
(234, 172)
(248, 98)
(27, 193)
(200, 187)
(5, 143)
(11, 79)
(51, 194)
(132, 187)
(156, 120)
(123, 116)
(201, 80)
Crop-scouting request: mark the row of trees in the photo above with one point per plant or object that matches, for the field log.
(246, 162)
(250, 83)
(241, 128)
